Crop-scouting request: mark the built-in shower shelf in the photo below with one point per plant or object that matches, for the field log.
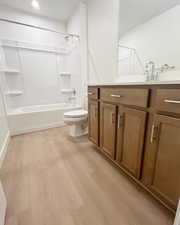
(33, 47)
(14, 93)
(65, 74)
(67, 91)
(10, 71)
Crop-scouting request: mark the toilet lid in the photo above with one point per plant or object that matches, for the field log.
(76, 114)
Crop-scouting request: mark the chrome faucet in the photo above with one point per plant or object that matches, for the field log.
(150, 69)
(152, 72)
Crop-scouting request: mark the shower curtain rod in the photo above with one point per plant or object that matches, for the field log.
(38, 27)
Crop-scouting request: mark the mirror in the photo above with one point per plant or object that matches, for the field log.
(149, 40)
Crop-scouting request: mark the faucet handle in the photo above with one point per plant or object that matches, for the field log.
(151, 63)
(166, 67)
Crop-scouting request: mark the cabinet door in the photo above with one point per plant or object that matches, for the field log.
(108, 129)
(130, 139)
(93, 122)
(166, 167)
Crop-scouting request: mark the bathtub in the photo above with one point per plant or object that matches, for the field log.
(39, 117)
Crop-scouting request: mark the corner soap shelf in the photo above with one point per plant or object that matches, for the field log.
(65, 74)
(33, 47)
(13, 93)
(66, 91)
(10, 71)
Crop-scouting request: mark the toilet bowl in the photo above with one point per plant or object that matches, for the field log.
(77, 121)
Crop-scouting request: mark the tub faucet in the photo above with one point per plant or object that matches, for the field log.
(74, 92)
(72, 98)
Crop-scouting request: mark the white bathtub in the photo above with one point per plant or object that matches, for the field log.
(38, 117)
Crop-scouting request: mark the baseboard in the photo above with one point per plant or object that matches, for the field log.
(34, 129)
(4, 149)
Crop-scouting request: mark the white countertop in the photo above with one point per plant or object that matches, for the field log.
(171, 77)
(136, 83)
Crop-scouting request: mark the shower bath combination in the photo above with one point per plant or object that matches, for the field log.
(40, 82)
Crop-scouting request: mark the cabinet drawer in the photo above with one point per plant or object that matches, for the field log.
(168, 100)
(92, 93)
(136, 97)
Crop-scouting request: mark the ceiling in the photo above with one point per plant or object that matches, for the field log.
(54, 9)
(132, 12)
(136, 12)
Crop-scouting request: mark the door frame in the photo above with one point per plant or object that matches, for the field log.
(177, 218)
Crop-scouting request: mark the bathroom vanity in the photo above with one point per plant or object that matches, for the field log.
(137, 127)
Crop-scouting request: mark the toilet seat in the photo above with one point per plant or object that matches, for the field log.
(76, 114)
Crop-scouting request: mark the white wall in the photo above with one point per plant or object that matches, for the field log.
(20, 16)
(73, 60)
(30, 62)
(39, 75)
(22, 33)
(4, 130)
(4, 140)
(157, 39)
(103, 18)
(38, 79)
(3, 124)
(73, 24)
(77, 24)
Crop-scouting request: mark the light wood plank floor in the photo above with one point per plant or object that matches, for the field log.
(52, 179)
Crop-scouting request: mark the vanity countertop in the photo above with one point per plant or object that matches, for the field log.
(138, 83)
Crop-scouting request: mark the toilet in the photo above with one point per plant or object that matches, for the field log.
(77, 121)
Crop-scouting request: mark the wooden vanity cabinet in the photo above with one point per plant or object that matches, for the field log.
(138, 128)
(93, 114)
(93, 93)
(122, 127)
(108, 129)
(130, 139)
(161, 173)
(165, 176)
(93, 110)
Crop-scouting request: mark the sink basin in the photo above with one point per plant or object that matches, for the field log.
(170, 77)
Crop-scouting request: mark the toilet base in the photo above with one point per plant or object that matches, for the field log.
(78, 130)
